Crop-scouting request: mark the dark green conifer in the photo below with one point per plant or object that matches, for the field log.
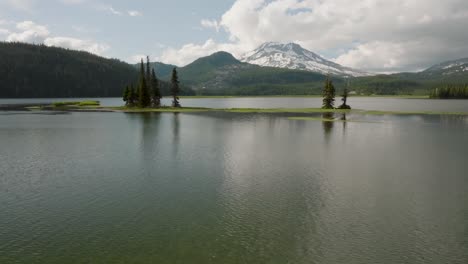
(454, 91)
(144, 97)
(345, 99)
(131, 96)
(148, 71)
(328, 94)
(175, 89)
(126, 94)
(156, 92)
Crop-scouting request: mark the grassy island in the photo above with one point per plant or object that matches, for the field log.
(94, 106)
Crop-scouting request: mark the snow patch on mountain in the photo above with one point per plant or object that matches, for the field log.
(449, 68)
(293, 56)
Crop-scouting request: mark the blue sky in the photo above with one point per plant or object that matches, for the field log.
(373, 35)
(158, 24)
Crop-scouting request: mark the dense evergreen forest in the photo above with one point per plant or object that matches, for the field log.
(454, 91)
(34, 71)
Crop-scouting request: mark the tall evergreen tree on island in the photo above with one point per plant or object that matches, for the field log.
(148, 72)
(345, 99)
(328, 94)
(144, 98)
(132, 96)
(126, 95)
(156, 92)
(175, 89)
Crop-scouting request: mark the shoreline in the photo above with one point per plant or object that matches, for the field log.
(239, 96)
(124, 109)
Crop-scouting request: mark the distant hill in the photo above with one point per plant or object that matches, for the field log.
(450, 72)
(222, 74)
(34, 71)
(161, 69)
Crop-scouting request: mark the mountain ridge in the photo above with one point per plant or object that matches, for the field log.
(293, 56)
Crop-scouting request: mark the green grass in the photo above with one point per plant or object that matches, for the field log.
(89, 103)
(280, 110)
(301, 96)
(273, 111)
(160, 110)
(76, 103)
(94, 105)
(377, 112)
(283, 110)
(305, 118)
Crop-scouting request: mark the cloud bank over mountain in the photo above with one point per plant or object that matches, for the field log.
(378, 35)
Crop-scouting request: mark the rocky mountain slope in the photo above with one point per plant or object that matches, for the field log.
(293, 56)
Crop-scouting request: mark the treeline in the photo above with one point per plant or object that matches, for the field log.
(147, 92)
(28, 70)
(35, 71)
(384, 85)
(456, 91)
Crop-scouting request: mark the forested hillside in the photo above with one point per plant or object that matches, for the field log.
(33, 71)
(39, 71)
(160, 68)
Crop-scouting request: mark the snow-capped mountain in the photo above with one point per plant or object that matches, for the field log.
(455, 67)
(293, 56)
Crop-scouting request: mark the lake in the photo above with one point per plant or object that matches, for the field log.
(233, 188)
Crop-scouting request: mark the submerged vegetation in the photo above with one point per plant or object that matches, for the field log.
(459, 91)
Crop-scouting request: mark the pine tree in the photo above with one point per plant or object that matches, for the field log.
(144, 99)
(131, 96)
(175, 89)
(328, 94)
(344, 99)
(126, 94)
(156, 92)
(148, 71)
(148, 78)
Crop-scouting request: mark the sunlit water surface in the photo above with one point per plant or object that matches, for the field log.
(232, 188)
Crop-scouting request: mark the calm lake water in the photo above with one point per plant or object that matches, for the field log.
(232, 188)
(364, 103)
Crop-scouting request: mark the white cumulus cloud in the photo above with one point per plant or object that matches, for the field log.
(4, 31)
(77, 44)
(134, 13)
(114, 11)
(191, 52)
(210, 24)
(374, 35)
(30, 32)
